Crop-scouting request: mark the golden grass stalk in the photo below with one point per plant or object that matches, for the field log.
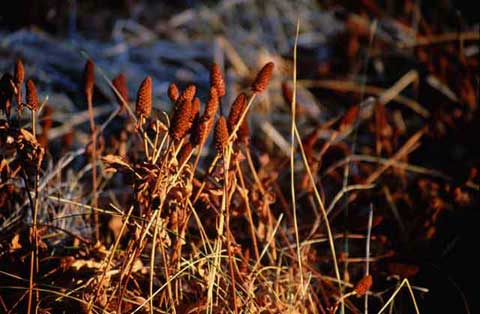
(264, 77)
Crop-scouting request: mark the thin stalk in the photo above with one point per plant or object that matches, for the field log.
(292, 158)
(94, 168)
(249, 212)
(34, 237)
(152, 260)
(367, 253)
(229, 234)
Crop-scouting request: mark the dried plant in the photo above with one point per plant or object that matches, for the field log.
(181, 224)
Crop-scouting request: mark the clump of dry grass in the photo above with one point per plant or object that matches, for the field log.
(214, 236)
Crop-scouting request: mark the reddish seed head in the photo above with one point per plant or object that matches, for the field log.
(236, 111)
(19, 72)
(206, 121)
(263, 78)
(202, 130)
(243, 132)
(212, 103)
(120, 84)
(363, 285)
(173, 92)
(184, 153)
(32, 97)
(188, 93)
(221, 135)
(89, 80)
(181, 121)
(46, 122)
(216, 79)
(7, 91)
(195, 108)
(287, 93)
(143, 106)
